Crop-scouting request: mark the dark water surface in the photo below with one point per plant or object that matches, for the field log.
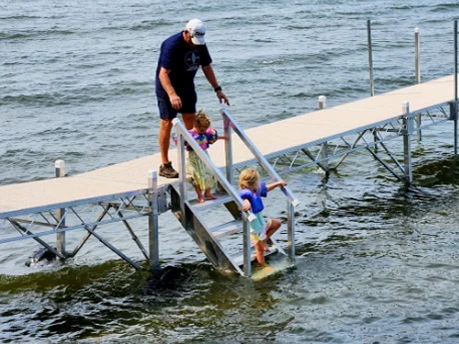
(377, 263)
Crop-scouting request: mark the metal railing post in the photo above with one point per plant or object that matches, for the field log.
(246, 247)
(59, 166)
(291, 230)
(228, 150)
(153, 236)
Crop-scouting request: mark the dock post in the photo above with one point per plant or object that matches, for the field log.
(370, 66)
(417, 68)
(324, 153)
(370, 59)
(153, 236)
(455, 88)
(408, 130)
(322, 102)
(59, 166)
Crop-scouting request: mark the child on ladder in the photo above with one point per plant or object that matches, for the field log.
(204, 135)
(252, 189)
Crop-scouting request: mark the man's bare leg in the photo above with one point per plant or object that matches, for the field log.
(165, 129)
(188, 120)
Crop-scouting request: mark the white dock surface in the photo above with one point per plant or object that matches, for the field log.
(131, 176)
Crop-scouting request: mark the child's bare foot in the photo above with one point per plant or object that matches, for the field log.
(262, 264)
(268, 268)
(201, 199)
(265, 247)
(208, 194)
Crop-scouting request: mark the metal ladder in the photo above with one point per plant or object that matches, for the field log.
(194, 216)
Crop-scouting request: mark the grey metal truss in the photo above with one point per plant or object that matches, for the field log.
(330, 152)
(45, 222)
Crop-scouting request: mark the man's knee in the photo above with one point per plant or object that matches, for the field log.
(188, 120)
(166, 124)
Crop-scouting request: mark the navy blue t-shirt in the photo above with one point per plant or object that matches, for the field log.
(183, 62)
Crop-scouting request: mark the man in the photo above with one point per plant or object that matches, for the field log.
(179, 60)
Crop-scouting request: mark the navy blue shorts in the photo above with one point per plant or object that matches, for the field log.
(166, 111)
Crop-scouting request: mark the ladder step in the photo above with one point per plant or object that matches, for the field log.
(210, 203)
(228, 228)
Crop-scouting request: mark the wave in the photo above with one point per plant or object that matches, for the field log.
(10, 36)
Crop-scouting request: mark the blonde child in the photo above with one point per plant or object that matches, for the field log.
(204, 135)
(251, 191)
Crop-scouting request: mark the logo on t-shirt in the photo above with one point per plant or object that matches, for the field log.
(192, 60)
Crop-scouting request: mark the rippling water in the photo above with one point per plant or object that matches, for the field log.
(377, 263)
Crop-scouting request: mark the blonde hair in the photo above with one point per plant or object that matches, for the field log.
(202, 121)
(249, 179)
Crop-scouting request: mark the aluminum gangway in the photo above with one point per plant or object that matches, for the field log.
(380, 125)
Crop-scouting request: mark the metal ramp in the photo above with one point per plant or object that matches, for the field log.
(220, 227)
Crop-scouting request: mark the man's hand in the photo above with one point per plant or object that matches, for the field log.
(222, 98)
(176, 102)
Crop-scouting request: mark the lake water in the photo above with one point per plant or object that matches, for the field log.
(376, 263)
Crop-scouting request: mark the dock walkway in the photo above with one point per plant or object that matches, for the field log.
(271, 139)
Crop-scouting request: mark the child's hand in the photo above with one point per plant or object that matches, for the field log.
(282, 183)
(246, 206)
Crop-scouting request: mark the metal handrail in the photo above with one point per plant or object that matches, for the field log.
(229, 120)
(182, 134)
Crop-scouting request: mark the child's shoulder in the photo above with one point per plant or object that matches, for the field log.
(211, 131)
(245, 193)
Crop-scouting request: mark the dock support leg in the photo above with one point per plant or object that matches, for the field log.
(153, 236)
(408, 125)
(60, 213)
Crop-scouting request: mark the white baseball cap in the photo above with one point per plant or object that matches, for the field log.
(197, 30)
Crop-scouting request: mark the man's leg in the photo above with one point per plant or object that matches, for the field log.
(165, 129)
(167, 114)
(188, 120)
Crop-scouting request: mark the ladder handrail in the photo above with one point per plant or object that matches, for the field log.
(183, 132)
(261, 159)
